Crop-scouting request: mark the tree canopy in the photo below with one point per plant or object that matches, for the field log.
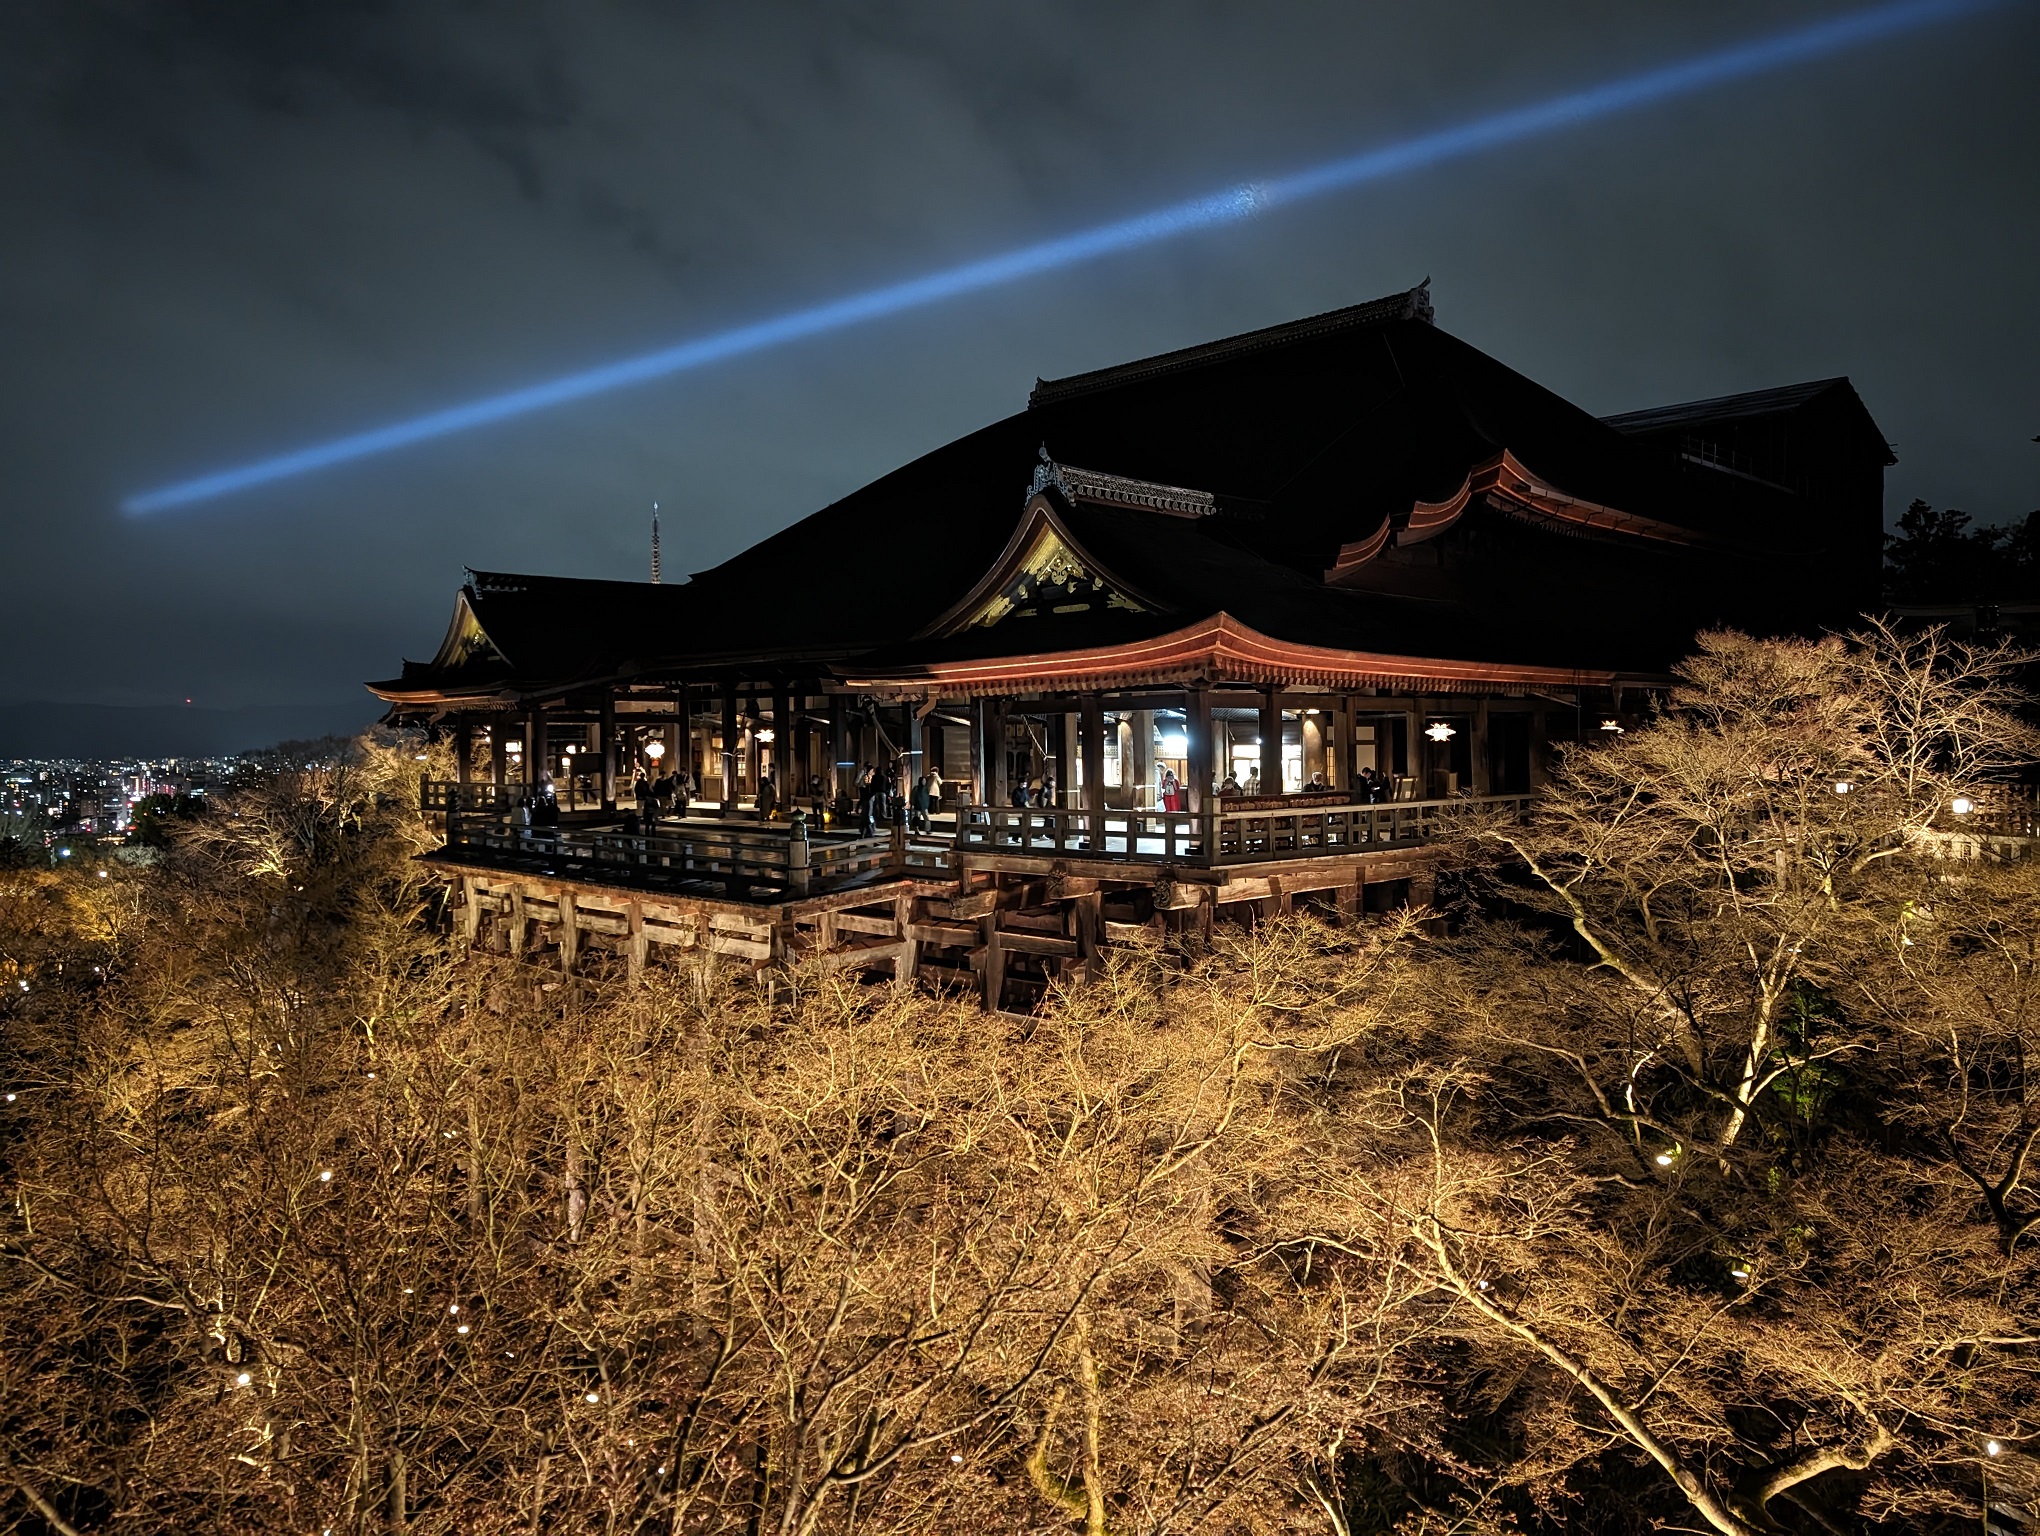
(1675, 1174)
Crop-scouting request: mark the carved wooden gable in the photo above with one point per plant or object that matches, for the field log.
(1050, 577)
(1043, 572)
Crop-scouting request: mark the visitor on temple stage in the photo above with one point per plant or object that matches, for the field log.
(868, 793)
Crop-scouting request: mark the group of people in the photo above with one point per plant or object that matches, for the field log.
(875, 800)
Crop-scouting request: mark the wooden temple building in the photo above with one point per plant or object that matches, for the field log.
(1239, 625)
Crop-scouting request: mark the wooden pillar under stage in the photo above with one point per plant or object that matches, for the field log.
(1412, 744)
(1091, 727)
(839, 749)
(463, 751)
(1197, 745)
(1271, 741)
(729, 746)
(499, 755)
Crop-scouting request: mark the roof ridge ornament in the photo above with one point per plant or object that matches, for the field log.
(1118, 490)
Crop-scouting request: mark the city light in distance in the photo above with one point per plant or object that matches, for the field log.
(1211, 210)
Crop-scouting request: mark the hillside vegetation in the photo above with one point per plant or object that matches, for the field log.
(1677, 1174)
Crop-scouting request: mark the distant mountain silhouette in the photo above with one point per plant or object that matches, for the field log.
(169, 730)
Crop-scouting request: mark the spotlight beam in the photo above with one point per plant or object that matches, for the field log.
(1230, 206)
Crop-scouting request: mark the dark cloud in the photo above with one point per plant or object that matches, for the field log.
(235, 228)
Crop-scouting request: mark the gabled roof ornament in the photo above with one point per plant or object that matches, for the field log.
(1094, 485)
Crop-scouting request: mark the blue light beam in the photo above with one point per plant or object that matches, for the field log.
(1231, 206)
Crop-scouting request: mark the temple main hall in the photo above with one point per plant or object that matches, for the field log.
(1201, 637)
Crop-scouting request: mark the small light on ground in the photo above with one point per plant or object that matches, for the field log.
(1992, 1448)
(956, 1457)
(463, 1328)
(1962, 805)
(243, 1379)
(325, 1175)
(594, 1397)
(1664, 1159)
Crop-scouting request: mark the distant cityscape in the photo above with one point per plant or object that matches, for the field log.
(52, 809)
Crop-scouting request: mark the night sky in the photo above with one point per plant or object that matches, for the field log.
(232, 229)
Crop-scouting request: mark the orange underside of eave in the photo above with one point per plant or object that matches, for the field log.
(1223, 650)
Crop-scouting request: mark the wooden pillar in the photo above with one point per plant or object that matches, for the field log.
(1412, 745)
(1143, 759)
(1059, 756)
(782, 747)
(570, 932)
(729, 746)
(917, 749)
(607, 726)
(1477, 753)
(463, 750)
(995, 961)
(839, 747)
(979, 791)
(537, 749)
(638, 947)
(995, 748)
(1092, 732)
(499, 755)
(803, 751)
(909, 958)
(1271, 741)
(682, 762)
(1197, 752)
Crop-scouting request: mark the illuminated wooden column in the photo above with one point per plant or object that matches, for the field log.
(1059, 756)
(839, 748)
(1197, 752)
(1477, 753)
(782, 746)
(499, 751)
(997, 790)
(980, 753)
(1143, 759)
(1091, 729)
(1271, 741)
(607, 726)
(463, 748)
(729, 746)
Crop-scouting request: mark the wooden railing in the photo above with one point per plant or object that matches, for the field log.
(734, 856)
(1303, 829)
(438, 797)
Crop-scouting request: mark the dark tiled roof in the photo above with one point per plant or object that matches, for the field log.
(1837, 394)
(1413, 305)
(1307, 436)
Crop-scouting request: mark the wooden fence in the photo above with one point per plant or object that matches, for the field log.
(1304, 829)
